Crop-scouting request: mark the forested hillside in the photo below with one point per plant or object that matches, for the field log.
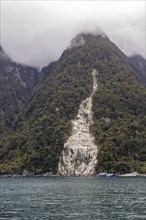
(40, 130)
(119, 120)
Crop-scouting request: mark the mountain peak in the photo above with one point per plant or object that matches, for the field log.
(82, 37)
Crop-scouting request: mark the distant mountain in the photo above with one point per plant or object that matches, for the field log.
(118, 112)
(139, 65)
(17, 83)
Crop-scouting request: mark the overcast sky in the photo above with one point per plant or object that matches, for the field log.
(37, 32)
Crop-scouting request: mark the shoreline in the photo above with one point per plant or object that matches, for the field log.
(134, 174)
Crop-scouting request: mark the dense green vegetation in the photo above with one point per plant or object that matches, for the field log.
(120, 120)
(40, 130)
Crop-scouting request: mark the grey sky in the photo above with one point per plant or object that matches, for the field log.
(37, 32)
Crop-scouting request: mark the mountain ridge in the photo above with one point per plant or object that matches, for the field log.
(17, 83)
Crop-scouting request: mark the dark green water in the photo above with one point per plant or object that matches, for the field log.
(77, 198)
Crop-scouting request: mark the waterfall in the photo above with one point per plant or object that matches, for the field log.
(79, 152)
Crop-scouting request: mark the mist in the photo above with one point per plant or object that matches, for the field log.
(36, 32)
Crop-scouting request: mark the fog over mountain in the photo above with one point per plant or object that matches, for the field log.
(36, 32)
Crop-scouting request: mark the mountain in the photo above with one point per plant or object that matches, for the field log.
(110, 118)
(139, 64)
(17, 83)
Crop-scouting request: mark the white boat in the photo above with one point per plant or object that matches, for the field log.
(106, 175)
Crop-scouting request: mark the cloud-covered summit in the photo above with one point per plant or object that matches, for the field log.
(80, 38)
(36, 32)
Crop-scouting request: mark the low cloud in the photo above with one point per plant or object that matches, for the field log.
(37, 32)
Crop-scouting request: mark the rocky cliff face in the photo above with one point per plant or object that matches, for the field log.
(80, 152)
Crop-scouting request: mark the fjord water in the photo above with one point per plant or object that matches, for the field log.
(61, 198)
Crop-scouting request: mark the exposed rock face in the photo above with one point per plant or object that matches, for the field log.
(80, 152)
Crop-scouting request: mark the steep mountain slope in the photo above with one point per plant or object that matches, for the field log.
(45, 125)
(16, 84)
(139, 64)
(119, 121)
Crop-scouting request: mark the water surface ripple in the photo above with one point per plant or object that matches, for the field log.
(62, 198)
